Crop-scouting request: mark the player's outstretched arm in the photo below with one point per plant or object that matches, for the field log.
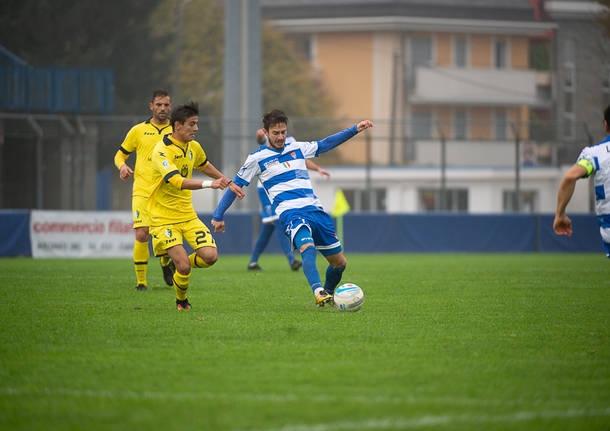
(363, 125)
(225, 202)
(337, 139)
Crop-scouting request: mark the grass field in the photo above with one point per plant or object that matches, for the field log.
(443, 342)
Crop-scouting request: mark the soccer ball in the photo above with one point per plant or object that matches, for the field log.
(348, 297)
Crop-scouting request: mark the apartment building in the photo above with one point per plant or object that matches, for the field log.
(464, 94)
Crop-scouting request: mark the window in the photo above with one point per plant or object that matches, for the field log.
(568, 102)
(460, 125)
(361, 200)
(569, 62)
(569, 129)
(302, 45)
(421, 55)
(500, 54)
(529, 200)
(569, 51)
(455, 200)
(421, 122)
(500, 125)
(460, 52)
(569, 75)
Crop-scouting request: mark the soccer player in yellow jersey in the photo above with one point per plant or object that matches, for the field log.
(142, 138)
(173, 218)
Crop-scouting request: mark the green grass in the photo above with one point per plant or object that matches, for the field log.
(443, 342)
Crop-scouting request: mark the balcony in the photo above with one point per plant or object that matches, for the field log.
(503, 87)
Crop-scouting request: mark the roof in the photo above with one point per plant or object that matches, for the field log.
(501, 10)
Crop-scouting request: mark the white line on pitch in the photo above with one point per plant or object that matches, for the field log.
(431, 420)
(270, 397)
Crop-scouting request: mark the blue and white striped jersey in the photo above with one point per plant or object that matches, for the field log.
(282, 174)
(596, 160)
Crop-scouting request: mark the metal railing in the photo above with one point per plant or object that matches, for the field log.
(53, 161)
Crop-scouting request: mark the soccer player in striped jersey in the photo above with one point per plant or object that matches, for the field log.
(593, 160)
(270, 220)
(173, 218)
(281, 168)
(141, 139)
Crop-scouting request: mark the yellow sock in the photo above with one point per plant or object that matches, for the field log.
(164, 260)
(181, 284)
(140, 260)
(196, 261)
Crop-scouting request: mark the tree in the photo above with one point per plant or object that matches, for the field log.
(201, 65)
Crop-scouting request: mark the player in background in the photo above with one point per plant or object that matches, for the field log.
(173, 218)
(142, 138)
(592, 160)
(270, 220)
(280, 166)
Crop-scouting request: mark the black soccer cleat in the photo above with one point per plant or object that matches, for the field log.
(141, 287)
(168, 273)
(183, 305)
(253, 266)
(295, 265)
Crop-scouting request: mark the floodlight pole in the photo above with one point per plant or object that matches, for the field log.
(178, 47)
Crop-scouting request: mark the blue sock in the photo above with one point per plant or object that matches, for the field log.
(333, 277)
(284, 242)
(310, 269)
(262, 241)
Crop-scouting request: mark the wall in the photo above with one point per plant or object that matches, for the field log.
(386, 233)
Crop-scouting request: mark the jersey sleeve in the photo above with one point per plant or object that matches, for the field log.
(249, 169)
(200, 158)
(130, 143)
(120, 158)
(166, 169)
(587, 160)
(309, 149)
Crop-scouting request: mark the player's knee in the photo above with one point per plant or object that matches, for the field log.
(209, 255)
(340, 263)
(183, 268)
(142, 235)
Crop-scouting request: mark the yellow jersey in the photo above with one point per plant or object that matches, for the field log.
(173, 161)
(141, 138)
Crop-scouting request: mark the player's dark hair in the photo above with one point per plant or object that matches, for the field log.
(159, 93)
(274, 117)
(182, 113)
(607, 115)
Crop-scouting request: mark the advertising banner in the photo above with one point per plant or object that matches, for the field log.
(81, 234)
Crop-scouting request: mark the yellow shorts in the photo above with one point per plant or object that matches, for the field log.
(141, 217)
(194, 232)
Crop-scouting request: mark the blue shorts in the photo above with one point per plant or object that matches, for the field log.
(318, 223)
